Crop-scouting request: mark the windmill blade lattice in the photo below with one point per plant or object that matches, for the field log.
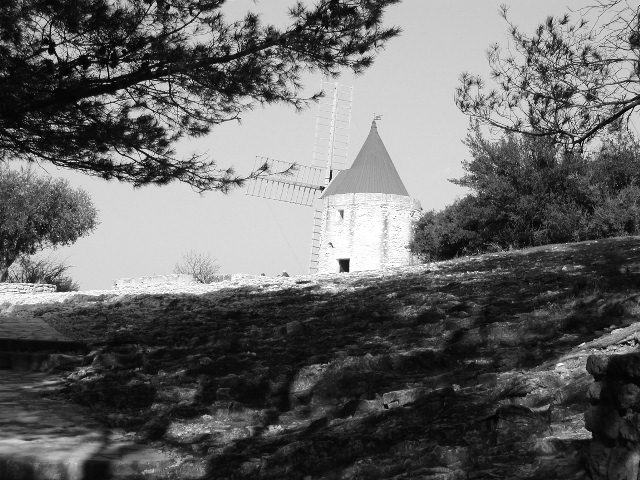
(292, 183)
(333, 121)
(303, 184)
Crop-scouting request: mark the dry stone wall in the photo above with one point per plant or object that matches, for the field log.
(372, 230)
(174, 282)
(614, 417)
(26, 288)
(153, 281)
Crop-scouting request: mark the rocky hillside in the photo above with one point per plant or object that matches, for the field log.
(467, 369)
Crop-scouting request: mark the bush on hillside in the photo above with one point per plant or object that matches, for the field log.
(526, 192)
(201, 266)
(38, 270)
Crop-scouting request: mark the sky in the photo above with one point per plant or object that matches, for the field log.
(145, 231)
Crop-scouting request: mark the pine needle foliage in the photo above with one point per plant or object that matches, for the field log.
(108, 87)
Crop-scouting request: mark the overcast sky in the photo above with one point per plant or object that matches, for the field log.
(145, 231)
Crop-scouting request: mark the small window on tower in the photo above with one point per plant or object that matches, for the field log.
(341, 213)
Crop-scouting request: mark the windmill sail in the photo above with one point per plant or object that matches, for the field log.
(303, 184)
(333, 120)
(298, 184)
(331, 147)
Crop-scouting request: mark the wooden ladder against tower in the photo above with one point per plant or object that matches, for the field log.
(315, 242)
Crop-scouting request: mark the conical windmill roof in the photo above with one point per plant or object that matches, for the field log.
(372, 171)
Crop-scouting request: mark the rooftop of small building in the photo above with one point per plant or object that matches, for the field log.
(372, 171)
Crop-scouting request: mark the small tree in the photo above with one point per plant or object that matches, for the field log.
(40, 270)
(200, 265)
(37, 212)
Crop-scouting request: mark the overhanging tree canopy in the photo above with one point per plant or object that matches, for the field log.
(107, 87)
(572, 78)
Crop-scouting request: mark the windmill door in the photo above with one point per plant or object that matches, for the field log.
(343, 264)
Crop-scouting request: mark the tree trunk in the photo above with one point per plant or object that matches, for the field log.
(4, 273)
(6, 261)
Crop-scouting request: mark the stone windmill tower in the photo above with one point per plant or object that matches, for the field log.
(363, 215)
(367, 214)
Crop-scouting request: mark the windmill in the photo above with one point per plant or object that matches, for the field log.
(302, 184)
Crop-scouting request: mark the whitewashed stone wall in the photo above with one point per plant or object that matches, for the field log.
(374, 231)
(26, 288)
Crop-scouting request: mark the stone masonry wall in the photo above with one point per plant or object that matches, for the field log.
(26, 288)
(614, 417)
(373, 231)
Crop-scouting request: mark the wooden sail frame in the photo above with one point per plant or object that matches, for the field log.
(302, 184)
(292, 183)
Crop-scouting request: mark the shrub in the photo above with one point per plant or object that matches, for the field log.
(526, 192)
(37, 270)
(203, 268)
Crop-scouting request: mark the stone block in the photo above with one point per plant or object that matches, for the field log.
(598, 460)
(630, 428)
(399, 398)
(623, 464)
(602, 421)
(368, 406)
(618, 367)
(597, 365)
(628, 395)
(625, 366)
(307, 377)
(594, 392)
